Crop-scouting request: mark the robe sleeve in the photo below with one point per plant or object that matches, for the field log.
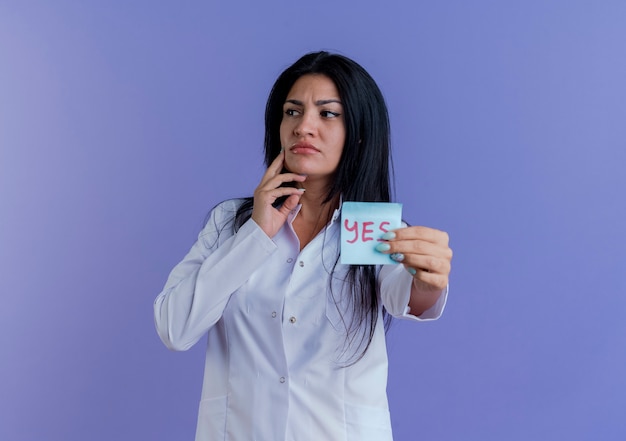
(395, 289)
(199, 287)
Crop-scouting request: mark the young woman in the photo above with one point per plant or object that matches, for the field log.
(296, 344)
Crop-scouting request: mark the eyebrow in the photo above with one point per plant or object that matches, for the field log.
(317, 103)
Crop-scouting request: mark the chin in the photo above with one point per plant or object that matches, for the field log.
(293, 169)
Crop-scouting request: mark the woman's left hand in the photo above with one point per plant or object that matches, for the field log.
(424, 252)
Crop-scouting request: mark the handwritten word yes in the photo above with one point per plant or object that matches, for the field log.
(364, 229)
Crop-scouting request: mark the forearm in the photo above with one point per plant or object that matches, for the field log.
(422, 298)
(396, 285)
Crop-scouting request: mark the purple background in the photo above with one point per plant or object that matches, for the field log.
(122, 123)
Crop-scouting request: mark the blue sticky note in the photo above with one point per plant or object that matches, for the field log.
(362, 225)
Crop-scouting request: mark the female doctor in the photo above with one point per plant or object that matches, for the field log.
(296, 343)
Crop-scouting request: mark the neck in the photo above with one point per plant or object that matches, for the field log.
(313, 198)
(314, 207)
(314, 214)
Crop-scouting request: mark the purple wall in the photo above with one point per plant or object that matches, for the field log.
(121, 125)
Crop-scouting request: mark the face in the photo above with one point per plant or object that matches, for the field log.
(312, 130)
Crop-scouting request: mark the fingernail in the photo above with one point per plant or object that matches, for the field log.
(412, 271)
(302, 189)
(388, 235)
(281, 150)
(398, 257)
(383, 247)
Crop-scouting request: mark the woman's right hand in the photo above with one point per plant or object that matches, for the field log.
(267, 217)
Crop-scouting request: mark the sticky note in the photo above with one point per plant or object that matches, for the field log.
(362, 225)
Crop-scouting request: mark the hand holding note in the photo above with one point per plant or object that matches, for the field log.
(424, 252)
(372, 234)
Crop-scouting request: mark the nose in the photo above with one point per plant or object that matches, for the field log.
(305, 125)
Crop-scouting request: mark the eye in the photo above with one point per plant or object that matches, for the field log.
(329, 114)
(291, 112)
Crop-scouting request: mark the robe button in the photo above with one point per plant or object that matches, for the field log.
(282, 379)
(273, 314)
(301, 263)
(292, 319)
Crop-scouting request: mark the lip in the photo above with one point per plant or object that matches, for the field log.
(303, 148)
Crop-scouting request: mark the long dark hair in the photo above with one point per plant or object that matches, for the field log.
(363, 173)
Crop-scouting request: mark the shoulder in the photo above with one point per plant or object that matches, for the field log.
(228, 207)
(221, 218)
